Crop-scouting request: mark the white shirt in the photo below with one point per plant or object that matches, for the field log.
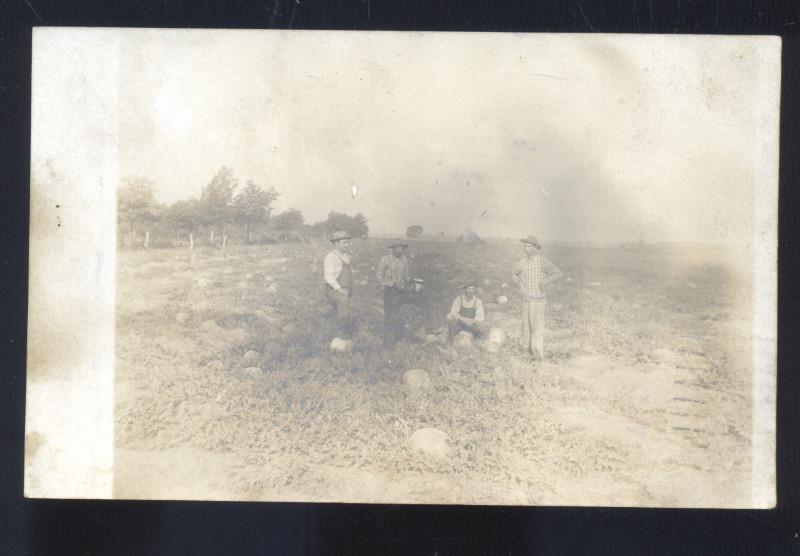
(332, 267)
(458, 303)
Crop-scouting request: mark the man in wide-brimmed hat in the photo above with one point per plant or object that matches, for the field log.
(338, 276)
(394, 275)
(531, 274)
(466, 313)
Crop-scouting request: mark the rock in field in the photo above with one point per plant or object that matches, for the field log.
(491, 347)
(503, 286)
(497, 335)
(253, 372)
(417, 379)
(341, 345)
(251, 359)
(502, 300)
(463, 340)
(434, 339)
(431, 442)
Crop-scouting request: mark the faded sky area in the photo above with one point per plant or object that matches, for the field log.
(570, 137)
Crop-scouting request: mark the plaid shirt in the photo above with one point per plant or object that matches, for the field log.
(393, 270)
(531, 273)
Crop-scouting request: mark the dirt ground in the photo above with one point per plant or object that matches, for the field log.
(644, 398)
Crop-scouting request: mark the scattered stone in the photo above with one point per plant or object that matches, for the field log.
(463, 340)
(434, 339)
(503, 286)
(271, 289)
(215, 365)
(431, 442)
(251, 359)
(254, 372)
(417, 379)
(502, 300)
(182, 318)
(497, 335)
(341, 345)
(486, 281)
(491, 347)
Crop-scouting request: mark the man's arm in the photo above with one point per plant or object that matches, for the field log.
(479, 314)
(552, 271)
(332, 267)
(453, 314)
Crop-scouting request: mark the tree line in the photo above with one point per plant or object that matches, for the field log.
(224, 214)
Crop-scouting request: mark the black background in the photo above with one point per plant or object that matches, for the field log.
(90, 527)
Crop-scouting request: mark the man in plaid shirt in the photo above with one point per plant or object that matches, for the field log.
(531, 274)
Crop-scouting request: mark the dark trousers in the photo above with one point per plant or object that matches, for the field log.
(455, 326)
(393, 299)
(341, 305)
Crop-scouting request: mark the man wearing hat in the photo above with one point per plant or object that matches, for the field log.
(531, 274)
(394, 275)
(466, 313)
(338, 275)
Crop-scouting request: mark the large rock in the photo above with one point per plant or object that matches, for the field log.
(435, 339)
(510, 324)
(253, 372)
(497, 335)
(341, 345)
(463, 340)
(417, 379)
(491, 347)
(431, 442)
(251, 359)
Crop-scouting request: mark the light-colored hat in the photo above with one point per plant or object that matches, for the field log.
(336, 236)
(532, 240)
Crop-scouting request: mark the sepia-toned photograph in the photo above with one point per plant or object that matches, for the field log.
(407, 268)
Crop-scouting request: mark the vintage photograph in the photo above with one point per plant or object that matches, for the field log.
(422, 268)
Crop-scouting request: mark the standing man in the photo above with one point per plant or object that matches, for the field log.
(531, 274)
(394, 276)
(466, 313)
(338, 275)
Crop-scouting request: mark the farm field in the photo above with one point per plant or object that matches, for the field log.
(643, 399)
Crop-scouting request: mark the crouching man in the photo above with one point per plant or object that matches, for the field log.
(467, 314)
(338, 276)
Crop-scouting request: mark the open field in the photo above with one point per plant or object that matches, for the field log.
(644, 398)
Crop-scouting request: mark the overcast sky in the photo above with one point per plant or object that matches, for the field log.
(564, 136)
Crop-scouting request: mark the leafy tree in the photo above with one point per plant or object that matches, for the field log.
(414, 231)
(216, 199)
(355, 225)
(253, 205)
(137, 205)
(291, 219)
(184, 214)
